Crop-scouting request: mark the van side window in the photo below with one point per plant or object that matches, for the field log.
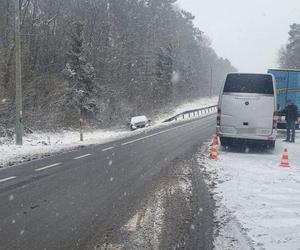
(249, 83)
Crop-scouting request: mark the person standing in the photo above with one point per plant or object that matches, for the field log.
(291, 116)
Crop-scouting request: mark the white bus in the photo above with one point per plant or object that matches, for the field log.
(247, 110)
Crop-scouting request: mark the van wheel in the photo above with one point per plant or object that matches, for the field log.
(225, 142)
(271, 145)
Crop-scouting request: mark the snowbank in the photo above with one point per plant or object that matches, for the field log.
(262, 196)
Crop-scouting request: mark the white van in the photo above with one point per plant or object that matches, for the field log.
(247, 109)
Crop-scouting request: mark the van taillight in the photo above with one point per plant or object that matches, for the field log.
(219, 117)
(275, 119)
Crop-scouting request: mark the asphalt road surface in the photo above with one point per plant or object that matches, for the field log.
(61, 202)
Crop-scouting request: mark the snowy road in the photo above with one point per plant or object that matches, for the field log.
(63, 201)
(263, 197)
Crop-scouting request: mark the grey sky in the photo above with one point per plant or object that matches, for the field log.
(248, 32)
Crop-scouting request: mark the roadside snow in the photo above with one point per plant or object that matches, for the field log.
(41, 144)
(143, 230)
(201, 103)
(263, 197)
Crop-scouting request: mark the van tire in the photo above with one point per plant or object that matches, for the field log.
(271, 145)
(225, 142)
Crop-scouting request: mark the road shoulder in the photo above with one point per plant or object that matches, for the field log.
(177, 214)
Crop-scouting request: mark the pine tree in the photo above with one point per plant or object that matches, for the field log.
(290, 55)
(81, 92)
(164, 74)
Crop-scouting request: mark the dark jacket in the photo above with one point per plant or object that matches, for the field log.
(291, 113)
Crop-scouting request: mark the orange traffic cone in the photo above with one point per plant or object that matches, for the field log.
(285, 159)
(215, 140)
(214, 150)
(218, 140)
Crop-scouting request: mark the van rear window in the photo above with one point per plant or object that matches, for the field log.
(249, 83)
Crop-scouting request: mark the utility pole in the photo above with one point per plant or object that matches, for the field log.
(19, 114)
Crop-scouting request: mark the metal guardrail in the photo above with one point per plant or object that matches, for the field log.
(192, 113)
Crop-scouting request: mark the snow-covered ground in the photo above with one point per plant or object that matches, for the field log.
(201, 103)
(263, 197)
(40, 144)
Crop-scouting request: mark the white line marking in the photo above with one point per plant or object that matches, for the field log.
(8, 179)
(145, 137)
(50, 166)
(82, 156)
(106, 149)
(158, 133)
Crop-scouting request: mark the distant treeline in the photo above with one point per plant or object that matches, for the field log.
(108, 59)
(289, 55)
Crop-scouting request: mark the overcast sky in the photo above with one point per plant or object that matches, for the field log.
(247, 32)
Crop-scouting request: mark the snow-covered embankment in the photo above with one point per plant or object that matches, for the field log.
(262, 196)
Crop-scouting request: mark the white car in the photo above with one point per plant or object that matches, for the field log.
(247, 109)
(139, 122)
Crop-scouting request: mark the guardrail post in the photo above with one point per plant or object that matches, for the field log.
(81, 129)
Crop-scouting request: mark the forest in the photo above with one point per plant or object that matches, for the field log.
(105, 60)
(289, 55)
